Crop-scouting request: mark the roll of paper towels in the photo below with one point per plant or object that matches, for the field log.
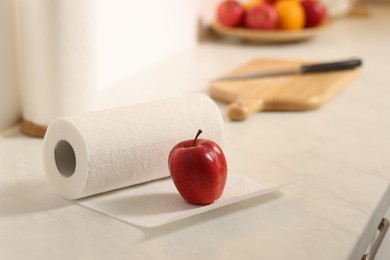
(57, 58)
(111, 149)
(10, 108)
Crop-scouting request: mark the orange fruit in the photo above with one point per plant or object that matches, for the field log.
(291, 14)
(250, 4)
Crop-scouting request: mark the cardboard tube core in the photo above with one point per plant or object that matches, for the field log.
(65, 158)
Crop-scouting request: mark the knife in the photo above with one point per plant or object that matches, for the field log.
(303, 69)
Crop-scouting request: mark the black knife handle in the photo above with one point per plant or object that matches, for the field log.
(331, 66)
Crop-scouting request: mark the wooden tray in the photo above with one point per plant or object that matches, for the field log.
(264, 36)
(280, 93)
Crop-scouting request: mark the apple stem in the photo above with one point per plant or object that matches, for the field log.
(197, 135)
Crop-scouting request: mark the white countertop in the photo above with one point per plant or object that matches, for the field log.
(341, 151)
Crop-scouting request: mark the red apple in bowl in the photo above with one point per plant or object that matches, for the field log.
(263, 17)
(198, 169)
(271, 2)
(230, 13)
(315, 13)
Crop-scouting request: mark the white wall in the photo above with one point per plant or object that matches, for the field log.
(133, 35)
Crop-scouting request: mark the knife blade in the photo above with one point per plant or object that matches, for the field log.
(303, 69)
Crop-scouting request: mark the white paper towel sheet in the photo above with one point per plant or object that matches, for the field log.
(110, 154)
(157, 203)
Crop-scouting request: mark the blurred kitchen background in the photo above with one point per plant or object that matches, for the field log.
(130, 36)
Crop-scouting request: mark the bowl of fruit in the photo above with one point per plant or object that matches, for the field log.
(271, 21)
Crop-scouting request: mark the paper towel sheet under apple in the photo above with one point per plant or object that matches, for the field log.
(157, 203)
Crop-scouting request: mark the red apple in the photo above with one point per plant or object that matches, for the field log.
(198, 169)
(315, 12)
(272, 2)
(263, 17)
(230, 13)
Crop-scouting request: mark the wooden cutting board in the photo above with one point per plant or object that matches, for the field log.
(278, 93)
